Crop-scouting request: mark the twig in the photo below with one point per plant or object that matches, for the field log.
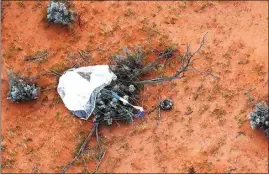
(95, 126)
(153, 109)
(251, 99)
(53, 72)
(39, 56)
(98, 143)
(158, 80)
(201, 44)
(158, 112)
(97, 48)
(149, 66)
(75, 65)
(48, 88)
(154, 63)
(83, 55)
(85, 165)
(188, 112)
(99, 163)
(159, 116)
(117, 123)
(202, 71)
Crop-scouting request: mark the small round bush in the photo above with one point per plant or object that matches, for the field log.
(58, 13)
(259, 118)
(21, 90)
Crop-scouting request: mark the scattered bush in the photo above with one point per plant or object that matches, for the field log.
(259, 118)
(59, 13)
(20, 89)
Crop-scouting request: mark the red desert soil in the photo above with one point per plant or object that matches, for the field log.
(42, 136)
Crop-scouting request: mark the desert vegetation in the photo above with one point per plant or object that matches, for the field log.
(191, 94)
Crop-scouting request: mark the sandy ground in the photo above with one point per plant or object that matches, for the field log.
(206, 132)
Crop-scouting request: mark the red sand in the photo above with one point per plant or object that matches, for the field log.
(216, 137)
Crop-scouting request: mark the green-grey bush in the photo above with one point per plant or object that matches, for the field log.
(259, 118)
(20, 89)
(59, 13)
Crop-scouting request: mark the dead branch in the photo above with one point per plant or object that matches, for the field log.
(158, 116)
(153, 109)
(204, 72)
(184, 66)
(166, 54)
(85, 166)
(201, 44)
(39, 56)
(99, 145)
(250, 98)
(55, 73)
(149, 66)
(83, 146)
(84, 55)
(99, 163)
(48, 88)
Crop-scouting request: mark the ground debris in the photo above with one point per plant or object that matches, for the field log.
(84, 55)
(191, 170)
(167, 53)
(39, 56)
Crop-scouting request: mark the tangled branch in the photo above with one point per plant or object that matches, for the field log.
(186, 61)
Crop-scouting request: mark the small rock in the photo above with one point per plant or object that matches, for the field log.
(166, 104)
